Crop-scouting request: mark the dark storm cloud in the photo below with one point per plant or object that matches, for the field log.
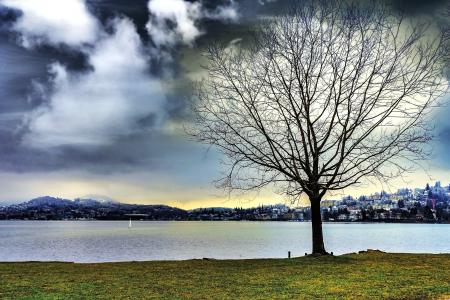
(8, 16)
(251, 7)
(19, 70)
(136, 11)
(140, 152)
(141, 148)
(25, 84)
(419, 6)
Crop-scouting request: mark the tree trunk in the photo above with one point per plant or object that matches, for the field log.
(317, 235)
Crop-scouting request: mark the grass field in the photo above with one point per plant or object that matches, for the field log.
(354, 276)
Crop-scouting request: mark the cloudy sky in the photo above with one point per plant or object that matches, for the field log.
(93, 98)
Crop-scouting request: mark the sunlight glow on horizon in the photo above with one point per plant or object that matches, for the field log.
(24, 187)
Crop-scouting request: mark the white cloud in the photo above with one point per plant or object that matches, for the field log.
(228, 12)
(183, 16)
(54, 22)
(176, 21)
(117, 95)
(93, 108)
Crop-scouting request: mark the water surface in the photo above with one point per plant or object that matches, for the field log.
(102, 241)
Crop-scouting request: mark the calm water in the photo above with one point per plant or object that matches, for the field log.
(99, 241)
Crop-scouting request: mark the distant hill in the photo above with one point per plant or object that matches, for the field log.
(51, 208)
(47, 201)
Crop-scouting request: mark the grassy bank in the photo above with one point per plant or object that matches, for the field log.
(354, 276)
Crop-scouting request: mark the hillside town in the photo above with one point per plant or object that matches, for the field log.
(428, 204)
(431, 203)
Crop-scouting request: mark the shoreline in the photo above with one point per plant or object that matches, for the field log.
(360, 252)
(254, 221)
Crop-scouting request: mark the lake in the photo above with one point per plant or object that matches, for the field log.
(104, 241)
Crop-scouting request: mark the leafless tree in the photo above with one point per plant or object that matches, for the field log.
(324, 98)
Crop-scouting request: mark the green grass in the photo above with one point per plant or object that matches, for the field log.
(354, 276)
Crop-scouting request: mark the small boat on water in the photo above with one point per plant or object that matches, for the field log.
(134, 216)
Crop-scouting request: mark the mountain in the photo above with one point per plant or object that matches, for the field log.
(51, 208)
(47, 201)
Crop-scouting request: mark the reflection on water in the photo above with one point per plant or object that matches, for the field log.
(100, 241)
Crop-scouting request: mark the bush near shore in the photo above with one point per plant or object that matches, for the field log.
(370, 275)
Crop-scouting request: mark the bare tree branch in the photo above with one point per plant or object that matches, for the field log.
(325, 97)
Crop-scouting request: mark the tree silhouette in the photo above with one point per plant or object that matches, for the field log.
(323, 98)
